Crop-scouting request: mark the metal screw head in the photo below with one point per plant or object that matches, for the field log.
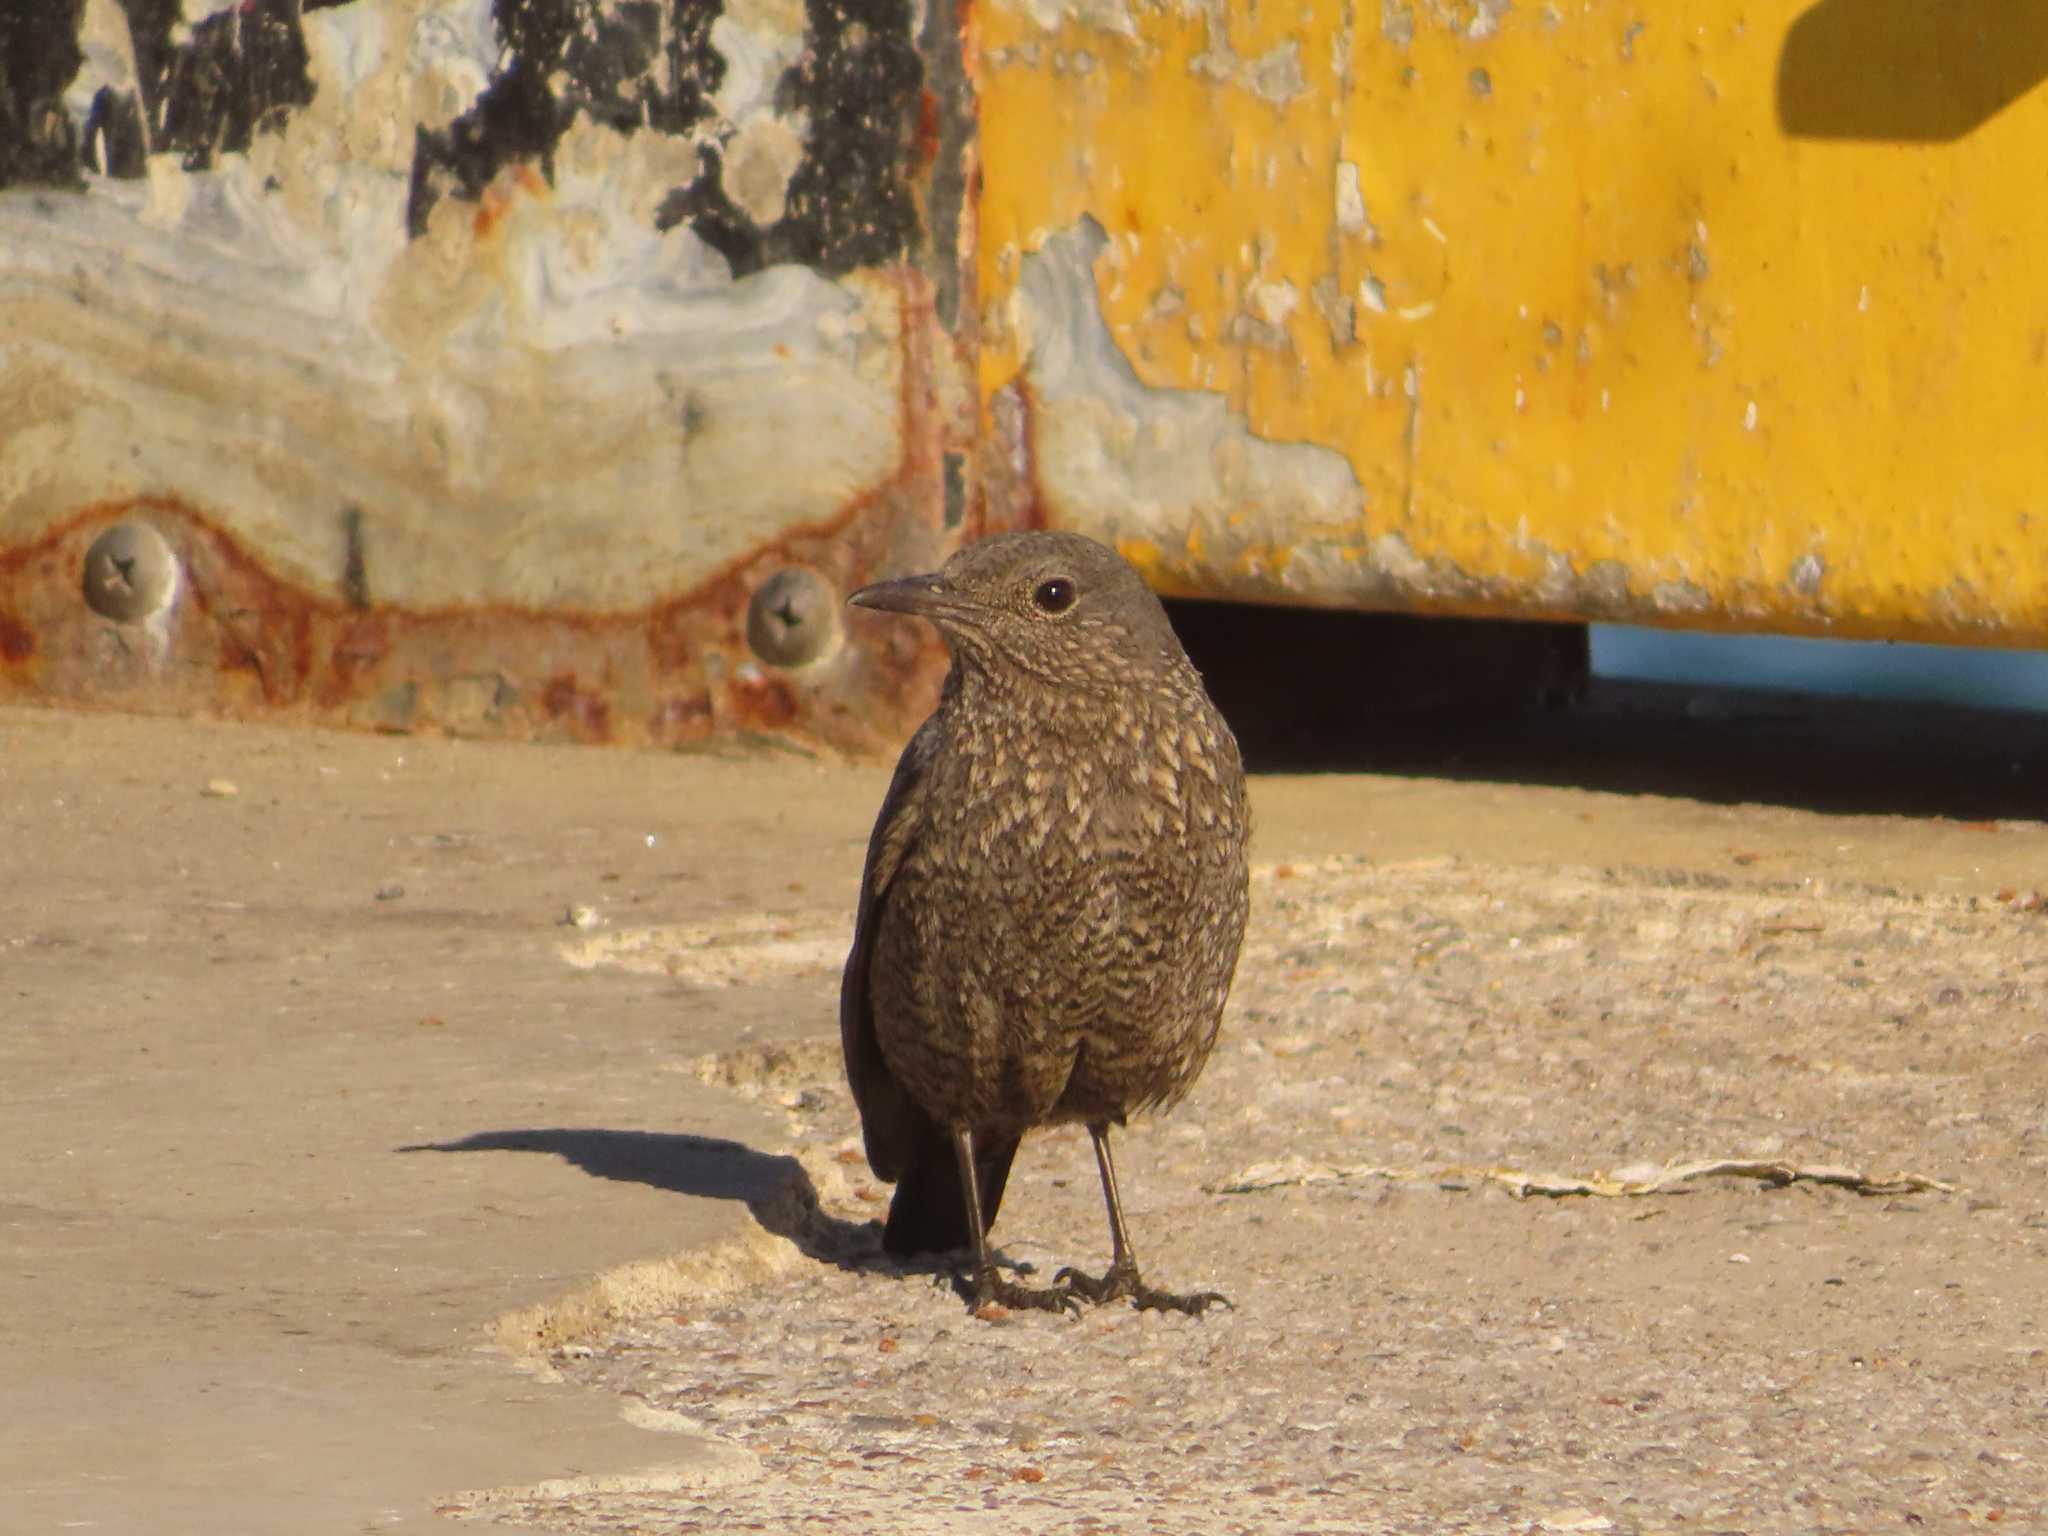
(130, 573)
(793, 618)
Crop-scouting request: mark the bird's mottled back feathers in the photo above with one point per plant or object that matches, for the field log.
(887, 1115)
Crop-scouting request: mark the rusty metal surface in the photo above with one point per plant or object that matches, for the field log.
(240, 640)
(538, 368)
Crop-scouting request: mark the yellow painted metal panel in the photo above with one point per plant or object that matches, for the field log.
(1728, 314)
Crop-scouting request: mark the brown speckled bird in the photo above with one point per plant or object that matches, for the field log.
(1054, 897)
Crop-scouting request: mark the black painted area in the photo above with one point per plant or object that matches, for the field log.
(200, 93)
(355, 566)
(568, 57)
(156, 57)
(954, 466)
(39, 55)
(516, 118)
(695, 69)
(850, 203)
(114, 142)
(716, 219)
(858, 83)
(954, 125)
(239, 73)
(211, 88)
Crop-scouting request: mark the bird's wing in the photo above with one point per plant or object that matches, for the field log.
(890, 1122)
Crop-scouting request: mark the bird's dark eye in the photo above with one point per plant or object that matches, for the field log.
(1055, 596)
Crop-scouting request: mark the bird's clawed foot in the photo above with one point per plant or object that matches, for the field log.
(1122, 1279)
(992, 1289)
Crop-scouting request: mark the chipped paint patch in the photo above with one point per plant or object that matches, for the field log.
(1804, 578)
(1110, 16)
(1153, 469)
(1352, 218)
(1274, 76)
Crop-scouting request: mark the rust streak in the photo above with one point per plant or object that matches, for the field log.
(248, 640)
(585, 712)
(17, 640)
(763, 704)
(927, 140)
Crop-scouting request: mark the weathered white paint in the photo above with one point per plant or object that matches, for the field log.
(542, 400)
(1119, 459)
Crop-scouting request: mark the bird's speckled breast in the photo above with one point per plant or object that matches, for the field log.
(1098, 848)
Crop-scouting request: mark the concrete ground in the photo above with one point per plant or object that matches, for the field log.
(402, 1130)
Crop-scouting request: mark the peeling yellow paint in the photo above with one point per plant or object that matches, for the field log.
(1602, 310)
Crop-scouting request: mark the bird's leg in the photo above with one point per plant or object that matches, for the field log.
(1122, 1278)
(990, 1286)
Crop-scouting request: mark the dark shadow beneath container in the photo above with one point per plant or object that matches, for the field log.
(1293, 678)
(1312, 691)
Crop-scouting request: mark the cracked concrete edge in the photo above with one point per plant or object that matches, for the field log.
(645, 1289)
(786, 1230)
(712, 1463)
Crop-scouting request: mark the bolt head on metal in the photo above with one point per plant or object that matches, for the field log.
(793, 618)
(130, 573)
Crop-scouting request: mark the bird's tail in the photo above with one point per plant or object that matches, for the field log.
(929, 1212)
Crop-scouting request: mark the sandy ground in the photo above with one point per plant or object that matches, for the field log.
(350, 1186)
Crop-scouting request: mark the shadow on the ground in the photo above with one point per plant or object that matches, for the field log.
(776, 1189)
(1504, 702)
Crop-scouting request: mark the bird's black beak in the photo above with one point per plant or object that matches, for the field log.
(925, 596)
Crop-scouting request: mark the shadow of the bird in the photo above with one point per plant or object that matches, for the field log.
(777, 1190)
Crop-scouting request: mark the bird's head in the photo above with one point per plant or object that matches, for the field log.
(1057, 606)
